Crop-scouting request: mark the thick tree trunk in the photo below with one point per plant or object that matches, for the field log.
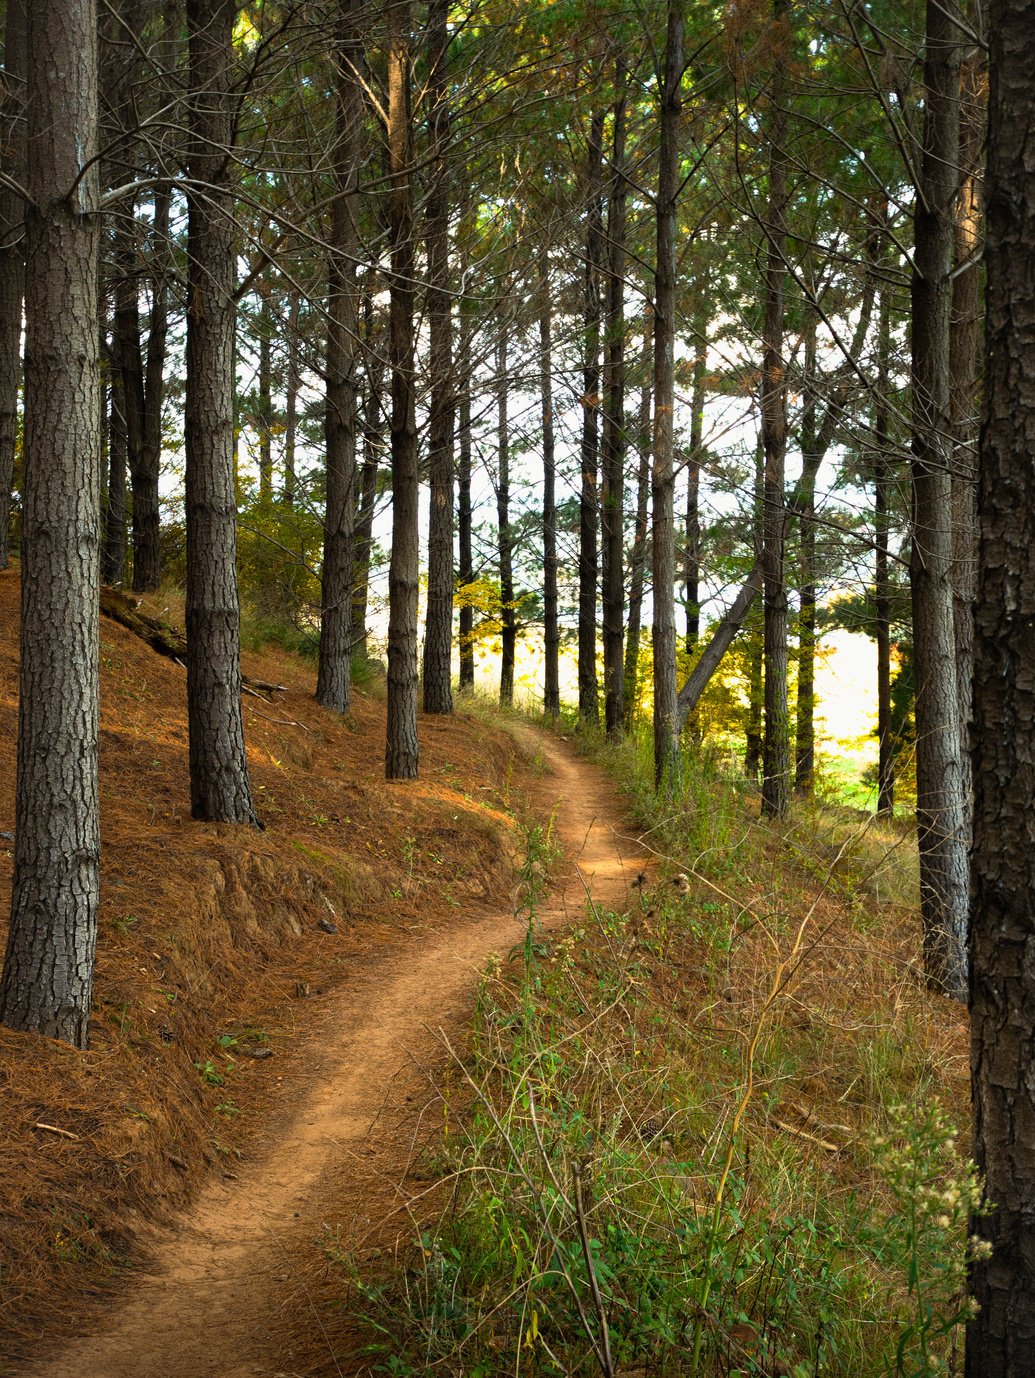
(402, 752)
(334, 670)
(48, 969)
(438, 628)
(941, 822)
(12, 263)
(465, 568)
(589, 708)
(1001, 1337)
(552, 635)
(612, 494)
(219, 784)
(638, 559)
(508, 617)
(776, 741)
(666, 715)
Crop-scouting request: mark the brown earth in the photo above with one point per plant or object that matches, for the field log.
(228, 1181)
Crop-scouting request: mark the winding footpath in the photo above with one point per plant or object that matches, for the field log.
(227, 1296)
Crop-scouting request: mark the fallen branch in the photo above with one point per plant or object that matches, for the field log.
(53, 1129)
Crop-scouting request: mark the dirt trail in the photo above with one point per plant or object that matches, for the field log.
(224, 1298)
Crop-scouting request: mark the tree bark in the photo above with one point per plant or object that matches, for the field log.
(264, 409)
(114, 550)
(666, 718)
(48, 968)
(438, 628)
(465, 568)
(638, 559)
(692, 553)
(292, 384)
(776, 739)
(220, 791)
(886, 746)
(552, 635)
(508, 615)
(12, 263)
(612, 495)
(372, 444)
(334, 670)
(941, 825)
(1001, 1337)
(401, 752)
(721, 640)
(589, 708)
(756, 682)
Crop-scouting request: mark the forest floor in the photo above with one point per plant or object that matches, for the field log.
(258, 1090)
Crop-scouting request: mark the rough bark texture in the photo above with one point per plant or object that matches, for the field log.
(638, 558)
(551, 635)
(776, 740)
(334, 670)
(438, 628)
(218, 766)
(48, 968)
(508, 617)
(939, 777)
(589, 707)
(12, 263)
(1001, 1338)
(666, 724)
(612, 493)
(401, 751)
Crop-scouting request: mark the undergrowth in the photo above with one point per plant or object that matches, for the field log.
(713, 1135)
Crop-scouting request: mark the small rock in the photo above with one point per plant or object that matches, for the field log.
(259, 1052)
(301, 990)
(7, 837)
(326, 926)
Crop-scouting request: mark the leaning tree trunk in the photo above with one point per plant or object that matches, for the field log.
(219, 784)
(48, 968)
(663, 530)
(401, 751)
(551, 634)
(334, 671)
(776, 740)
(589, 709)
(1001, 1337)
(12, 266)
(940, 806)
(612, 493)
(438, 627)
(508, 616)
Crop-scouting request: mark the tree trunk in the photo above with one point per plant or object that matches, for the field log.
(146, 518)
(372, 443)
(1001, 1337)
(612, 496)
(220, 791)
(48, 969)
(756, 683)
(941, 825)
(886, 746)
(552, 635)
(12, 263)
(721, 640)
(776, 741)
(292, 384)
(334, 671)
(265, 406)
(401, 752)
(115, 532)
(666, 724)
(508, 616)
(812, 451)
(589, 708)
(638, 560)
(465, 569)
(692, 555)
(438, 628)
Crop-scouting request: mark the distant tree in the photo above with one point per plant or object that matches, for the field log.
(1001, 1337)
(12, 249)
(48, 969)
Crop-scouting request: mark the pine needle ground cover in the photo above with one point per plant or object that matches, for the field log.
(722, 1133)
(214, 961)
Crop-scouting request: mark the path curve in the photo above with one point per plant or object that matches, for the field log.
(220, 1299)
